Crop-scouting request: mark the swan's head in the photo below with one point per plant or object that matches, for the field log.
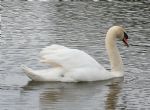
(119, 32)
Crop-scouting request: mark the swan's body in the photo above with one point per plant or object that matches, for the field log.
(73, 65)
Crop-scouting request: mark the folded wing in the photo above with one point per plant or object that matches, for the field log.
(57, 55)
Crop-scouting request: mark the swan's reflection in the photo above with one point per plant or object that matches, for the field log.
(113, 94)
(72, 96)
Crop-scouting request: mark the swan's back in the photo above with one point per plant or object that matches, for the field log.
(68, 58)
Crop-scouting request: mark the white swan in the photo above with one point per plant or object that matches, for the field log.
(73, 65)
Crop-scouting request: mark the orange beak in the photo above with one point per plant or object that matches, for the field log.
(125, 41)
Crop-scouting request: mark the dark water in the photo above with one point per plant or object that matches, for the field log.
(29, 26)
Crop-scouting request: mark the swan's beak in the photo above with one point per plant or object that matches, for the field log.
(125, 39)
(125, 42)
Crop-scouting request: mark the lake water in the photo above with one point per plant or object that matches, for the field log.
(28, 26)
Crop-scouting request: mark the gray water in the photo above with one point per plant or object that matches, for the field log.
(27, 27)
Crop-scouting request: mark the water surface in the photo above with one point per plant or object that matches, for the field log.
(29, 26)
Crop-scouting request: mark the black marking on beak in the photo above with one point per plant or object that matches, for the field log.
(125, 35)
(125, 39)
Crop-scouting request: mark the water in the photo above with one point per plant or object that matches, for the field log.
(28, 26)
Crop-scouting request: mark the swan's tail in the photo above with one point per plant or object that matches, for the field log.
(26, 69)
(29, 72)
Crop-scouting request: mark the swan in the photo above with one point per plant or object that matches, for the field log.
(73, 65)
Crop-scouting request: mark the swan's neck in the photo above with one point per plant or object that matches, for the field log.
(113, 54)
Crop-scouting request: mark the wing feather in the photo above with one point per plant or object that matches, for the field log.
(57, 55)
